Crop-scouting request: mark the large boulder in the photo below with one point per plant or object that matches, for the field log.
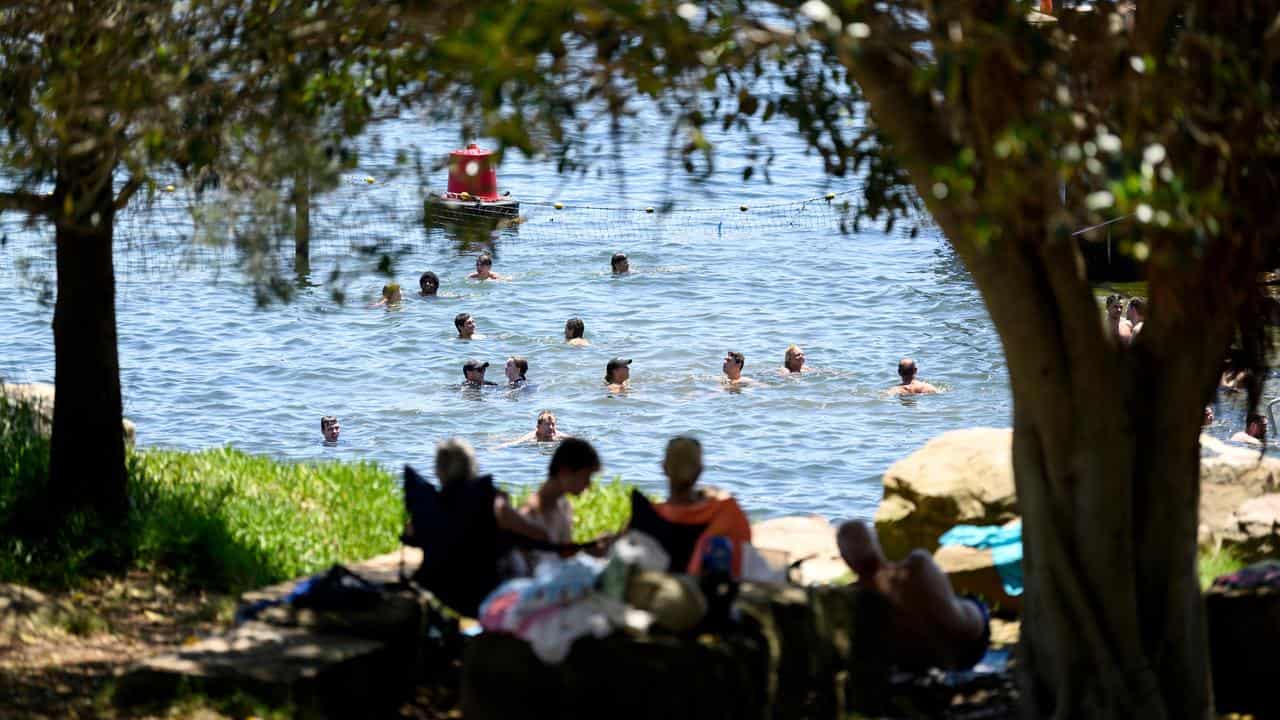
(808, 539)
(959, 477)
(39, 397)
(1233, 511)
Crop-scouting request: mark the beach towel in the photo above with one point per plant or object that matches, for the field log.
(1005, 544)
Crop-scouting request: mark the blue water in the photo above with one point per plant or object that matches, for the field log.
(202, 365)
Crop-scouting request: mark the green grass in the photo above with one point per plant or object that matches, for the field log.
(1215, 563)
(604, 508)
(218, 519)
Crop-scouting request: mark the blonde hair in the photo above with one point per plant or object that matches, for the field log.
(390, 289)
(791, 350)
(455, 461)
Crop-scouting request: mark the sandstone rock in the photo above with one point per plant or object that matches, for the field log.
(1229, 477)
(39, 397)
(785, 540)
(1258, 522)
(963, 476)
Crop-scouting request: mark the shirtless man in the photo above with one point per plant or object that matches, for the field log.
(617, 373)
(910, 385)
(484, 269)
(466, 326)
(573, 330)
(1119, 328)
(732, 368)
(1255, 432)
(620, 264)
(793, 361)
(544, 431)
(330, 428)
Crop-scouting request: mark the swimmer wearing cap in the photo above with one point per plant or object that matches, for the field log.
(473, 374)
(617, 373)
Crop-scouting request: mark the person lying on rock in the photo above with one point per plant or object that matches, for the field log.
(929, 625)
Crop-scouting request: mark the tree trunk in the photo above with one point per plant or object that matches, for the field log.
(87, 458)
(302, 224)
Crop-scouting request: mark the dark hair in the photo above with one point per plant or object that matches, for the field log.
(573, 454)
(328, 420)
(522, 364)
(1139, 303)
(1114, 299)
(428, 275)
(484, 259)
(906, 366)
(738, 358)
(574, 328)
(460, 319)
(617, 259)
(1255, 417)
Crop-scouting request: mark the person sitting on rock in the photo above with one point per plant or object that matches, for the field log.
(692, 515)
(910, 385)
(929, 625)
(1255, 431)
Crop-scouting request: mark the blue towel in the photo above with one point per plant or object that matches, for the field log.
(1005, 544)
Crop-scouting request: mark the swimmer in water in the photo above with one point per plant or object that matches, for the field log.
(1255, 432)
(732, 368)
(617, 374)
(428, 284)
(793, 361)
(517, 369)
(620, 264)
(390, 295)
(484, 269)
(473, 374)
(910, 385)
(329, 427)
(466, 326)
(573, 330)
(544, 431)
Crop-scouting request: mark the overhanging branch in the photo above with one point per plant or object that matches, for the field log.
(26, 202)
(126, 192)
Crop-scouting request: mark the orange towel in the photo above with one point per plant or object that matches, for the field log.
(722, 516)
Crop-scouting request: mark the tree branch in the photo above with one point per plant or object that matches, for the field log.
(126, 192)
(26, 202)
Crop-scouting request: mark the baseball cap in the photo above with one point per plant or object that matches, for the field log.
(474, 365)
(617, 363)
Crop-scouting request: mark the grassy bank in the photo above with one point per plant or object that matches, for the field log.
(225, 520)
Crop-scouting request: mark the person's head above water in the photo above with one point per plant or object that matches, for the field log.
(546, 427)
(517, 368)
(907, 369)
(465, 324)
(330, 428)
(573, 464)
(1256, 427)
(391, 292)
(428, 284)
(682, 463)
(620, 263)
(793, 359)
(574, 328)
(484, 264)
(455, 462)
(617, 371)
(473, 371)
(733, 364)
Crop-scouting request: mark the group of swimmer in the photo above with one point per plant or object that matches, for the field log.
(617, 373)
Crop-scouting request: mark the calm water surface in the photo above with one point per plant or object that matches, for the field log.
(203, 366)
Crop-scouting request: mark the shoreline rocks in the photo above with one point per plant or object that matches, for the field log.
(40, 397)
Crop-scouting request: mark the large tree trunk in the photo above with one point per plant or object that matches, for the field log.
(87, 463)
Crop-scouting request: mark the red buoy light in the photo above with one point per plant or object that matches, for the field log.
(472, 171)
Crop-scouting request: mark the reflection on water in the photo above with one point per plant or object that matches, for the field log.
(203, 366)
